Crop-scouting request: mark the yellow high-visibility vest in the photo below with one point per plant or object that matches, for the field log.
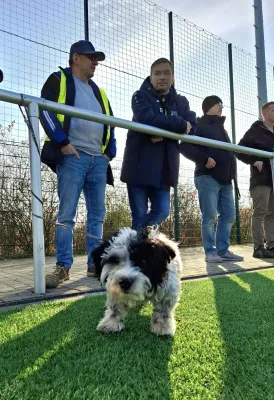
(62, 100)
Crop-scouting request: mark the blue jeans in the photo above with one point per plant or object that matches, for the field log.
(89, 173)
(215, 198)
(139, 195)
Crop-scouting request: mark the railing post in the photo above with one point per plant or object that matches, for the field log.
(37, 206)
(175, 200)
(233, 129)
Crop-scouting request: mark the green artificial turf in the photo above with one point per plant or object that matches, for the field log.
(223, 348)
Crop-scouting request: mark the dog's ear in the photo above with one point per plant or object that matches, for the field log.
(152, 258)
(170, 253)
(97, 257)
(158, 266)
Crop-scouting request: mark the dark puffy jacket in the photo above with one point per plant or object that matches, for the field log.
(155, 164)
(261, 138)
(211, 127)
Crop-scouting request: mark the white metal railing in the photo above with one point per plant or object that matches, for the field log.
(36, 103)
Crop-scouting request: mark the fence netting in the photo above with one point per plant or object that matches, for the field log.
(35, 38)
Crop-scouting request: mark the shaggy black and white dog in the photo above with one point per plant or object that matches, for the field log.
(136, 267)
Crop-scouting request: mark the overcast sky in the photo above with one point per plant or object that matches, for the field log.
(231, 20)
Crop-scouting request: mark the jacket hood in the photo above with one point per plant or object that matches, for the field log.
(67, 70)
(259, 124)
(211, 119)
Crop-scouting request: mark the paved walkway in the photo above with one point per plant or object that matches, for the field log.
(16, 276)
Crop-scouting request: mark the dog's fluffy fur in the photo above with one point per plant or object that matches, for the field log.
(136, 267)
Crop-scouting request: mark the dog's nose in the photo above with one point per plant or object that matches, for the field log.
(125, 284)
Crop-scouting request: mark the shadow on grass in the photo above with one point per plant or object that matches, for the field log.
(245, 306)
(55, 352)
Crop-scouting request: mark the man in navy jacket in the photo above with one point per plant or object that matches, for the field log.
(151, 164)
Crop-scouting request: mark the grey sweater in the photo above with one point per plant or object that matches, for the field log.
(85, 135)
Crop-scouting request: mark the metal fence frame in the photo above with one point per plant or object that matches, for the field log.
(34, 104)
(173, 32)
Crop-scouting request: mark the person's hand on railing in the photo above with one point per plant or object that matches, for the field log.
(69, 149)
(258, 165)
(156, 139)
(188, 128)
(210, 163)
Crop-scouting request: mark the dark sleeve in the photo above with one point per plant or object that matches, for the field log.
(194, 152)
(143, 113)
(248, 140)
(50, 123)
(189, 116)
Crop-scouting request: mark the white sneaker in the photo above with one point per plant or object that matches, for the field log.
(229, 256)
(213, 257)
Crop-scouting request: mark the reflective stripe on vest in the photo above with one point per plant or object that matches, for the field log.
(106, 105)
(61, 99)
(62, 96)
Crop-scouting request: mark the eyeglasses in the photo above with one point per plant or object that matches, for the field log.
(89, 56)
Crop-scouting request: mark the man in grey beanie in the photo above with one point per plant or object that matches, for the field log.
(214, 171)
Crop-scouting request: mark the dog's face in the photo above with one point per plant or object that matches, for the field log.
(132, 265)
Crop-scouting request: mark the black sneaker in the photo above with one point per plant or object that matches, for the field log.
(271, 249)
(261, 252)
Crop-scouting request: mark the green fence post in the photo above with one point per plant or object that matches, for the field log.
(233, 128)
(86, 24)
(175, 200)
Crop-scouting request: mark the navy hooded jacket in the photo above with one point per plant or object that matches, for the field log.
(211, 127)
(155, 164)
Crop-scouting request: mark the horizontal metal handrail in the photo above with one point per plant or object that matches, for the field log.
(23, 99)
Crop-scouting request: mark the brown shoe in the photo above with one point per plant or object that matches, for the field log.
(59, 275)
(91, 271)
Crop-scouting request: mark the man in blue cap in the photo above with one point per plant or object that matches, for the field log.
(79, 151)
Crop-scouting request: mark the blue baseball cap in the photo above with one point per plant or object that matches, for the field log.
(86, 47)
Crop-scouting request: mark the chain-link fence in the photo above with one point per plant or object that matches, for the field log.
(35, 38)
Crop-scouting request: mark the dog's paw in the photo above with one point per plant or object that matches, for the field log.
(164, 327)
(110, 326)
